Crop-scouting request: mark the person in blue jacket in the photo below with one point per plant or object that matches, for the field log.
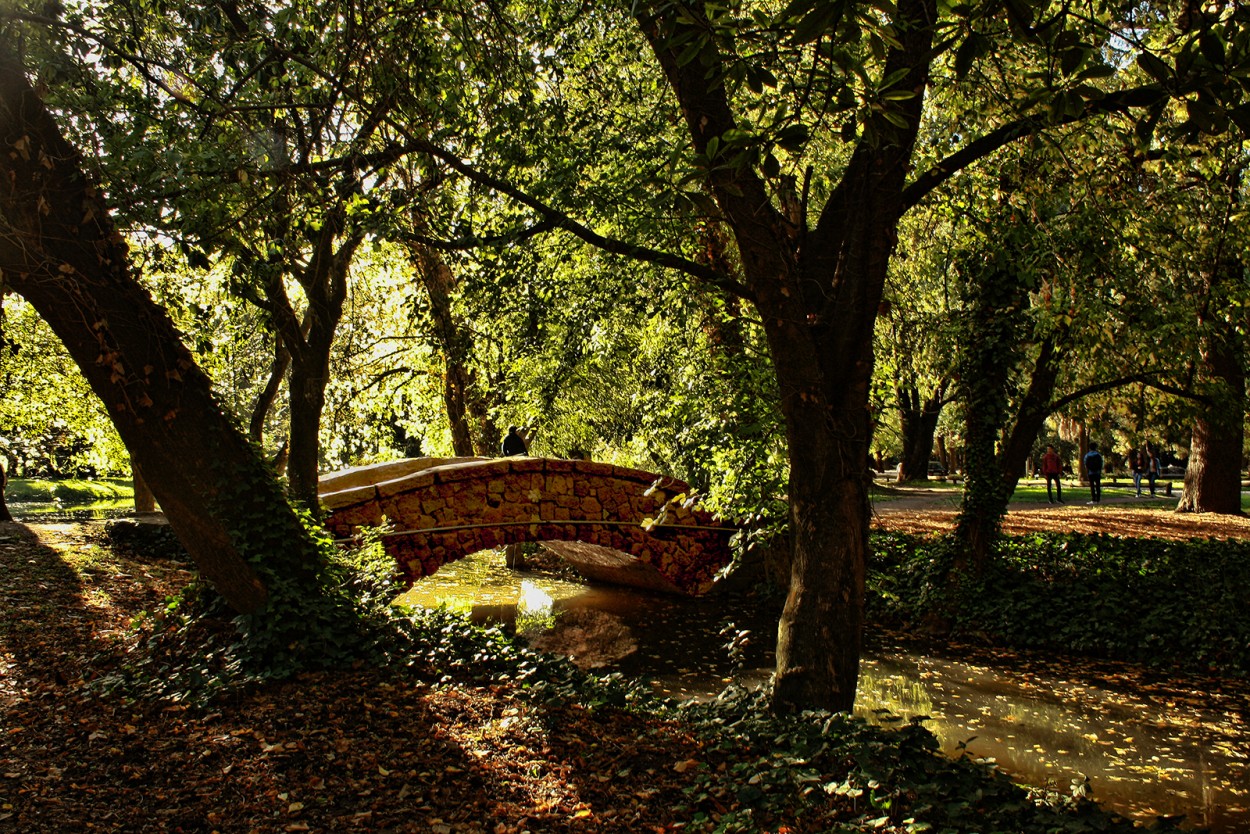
(1093, 469)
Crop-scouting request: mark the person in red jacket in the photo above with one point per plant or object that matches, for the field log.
(1052, 469)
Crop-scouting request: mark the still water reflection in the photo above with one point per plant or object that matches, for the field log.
(49, 511)
(1142, 757)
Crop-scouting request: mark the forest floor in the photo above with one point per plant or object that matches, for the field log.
(357, 751)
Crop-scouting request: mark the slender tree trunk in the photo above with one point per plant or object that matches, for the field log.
(5, 515)
(61, 252)
(324, 282)
(273, 386)
(454, 342)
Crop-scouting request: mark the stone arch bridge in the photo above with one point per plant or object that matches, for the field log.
(441, 509)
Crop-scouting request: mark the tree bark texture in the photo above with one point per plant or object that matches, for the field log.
(1213, 477)
(145, 501)
(59, 250)
(817, 293)
(918, 417)
(324, 282)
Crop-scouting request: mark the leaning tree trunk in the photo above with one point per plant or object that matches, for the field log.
(61, 252)
(1031, 416)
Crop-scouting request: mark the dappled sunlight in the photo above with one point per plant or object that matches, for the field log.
(1142, 756)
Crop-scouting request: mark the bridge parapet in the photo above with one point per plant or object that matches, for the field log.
(443, 512)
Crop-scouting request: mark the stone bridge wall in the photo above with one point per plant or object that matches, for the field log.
(446, 511)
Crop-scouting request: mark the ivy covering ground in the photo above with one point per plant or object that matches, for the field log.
(1177, 604)
(462, 731)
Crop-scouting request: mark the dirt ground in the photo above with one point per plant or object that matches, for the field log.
(921, 511)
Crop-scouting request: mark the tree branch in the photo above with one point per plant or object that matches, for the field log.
(1118, 102)
(1144, 379)
(557, 219)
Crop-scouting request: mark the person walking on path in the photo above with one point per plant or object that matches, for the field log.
(1093, 469)
(1152, 469)
(1137, 460)
(1052, 470)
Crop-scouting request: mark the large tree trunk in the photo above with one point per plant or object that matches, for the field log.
(818, 309)
(61, 252)
(145, 501)
(324, 282)
(918, 419)
(1213, 478)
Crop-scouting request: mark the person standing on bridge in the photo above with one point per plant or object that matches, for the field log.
(516, 442)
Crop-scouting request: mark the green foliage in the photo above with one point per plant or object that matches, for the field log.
(68, 491)
(1181, 604)
(786, 769)
(51, 423)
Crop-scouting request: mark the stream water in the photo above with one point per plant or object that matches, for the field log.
(48, 511)
(1144, 756)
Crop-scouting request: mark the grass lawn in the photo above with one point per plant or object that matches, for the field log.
(68, 491)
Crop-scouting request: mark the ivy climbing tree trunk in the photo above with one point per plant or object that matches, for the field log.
(991, 326)
(60, 251)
